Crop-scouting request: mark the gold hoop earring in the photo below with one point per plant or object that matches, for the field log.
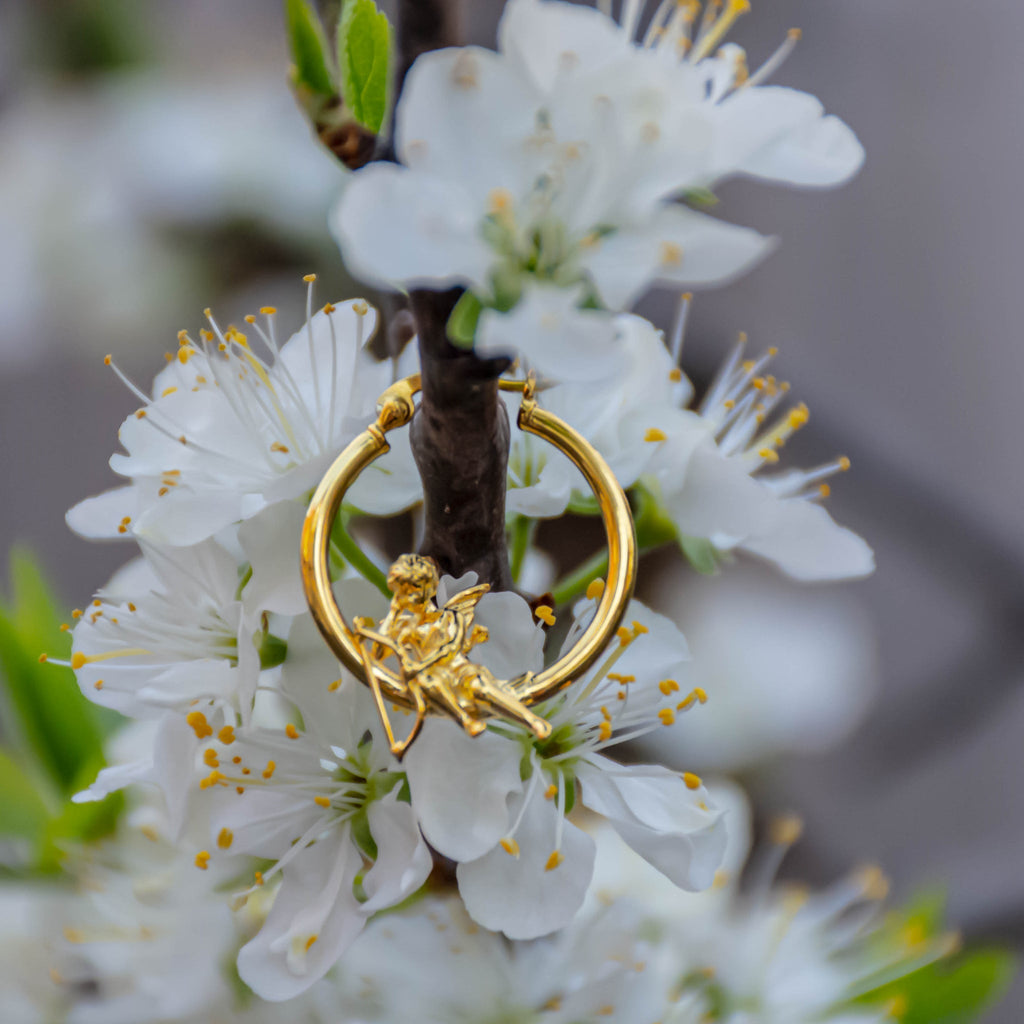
(429, 645)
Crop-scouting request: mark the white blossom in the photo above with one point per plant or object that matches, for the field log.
(558, 163)
(523, 866)
(433, 963)
(322, 798)
(229, 436)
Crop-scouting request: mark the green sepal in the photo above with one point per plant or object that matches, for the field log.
(463, 321)
(273, 651)
(309, 48)
(654, 526)
(584, 505)
(703, 198)
(700, 553)
(365, 62)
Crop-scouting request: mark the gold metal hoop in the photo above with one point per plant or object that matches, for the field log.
(395, 409)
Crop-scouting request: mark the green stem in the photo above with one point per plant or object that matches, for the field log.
(343, 542)
(522, 535)
(577, 581)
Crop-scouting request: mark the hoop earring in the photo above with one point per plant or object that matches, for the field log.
(432, 673)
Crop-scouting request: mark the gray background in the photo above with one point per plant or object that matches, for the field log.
(895, 303)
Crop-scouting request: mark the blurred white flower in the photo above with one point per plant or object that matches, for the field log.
(230, 437)
(523, 867)
(151, 156)
(557, 163)
(764, 952)
(800, 680)
(435, 964)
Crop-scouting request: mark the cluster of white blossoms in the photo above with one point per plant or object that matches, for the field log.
(554, 180)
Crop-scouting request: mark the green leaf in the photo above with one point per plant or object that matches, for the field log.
(364, 60)
(51, 717)
(309, 47)
(23, 811)
(949, 993)
(701, 554)
(464, 319)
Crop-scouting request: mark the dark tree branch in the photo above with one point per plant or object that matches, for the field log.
(460, 442)
(460, 434)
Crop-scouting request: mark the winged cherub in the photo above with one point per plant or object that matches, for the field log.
(432, 646)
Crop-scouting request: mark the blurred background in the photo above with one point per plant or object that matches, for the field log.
(153, 163)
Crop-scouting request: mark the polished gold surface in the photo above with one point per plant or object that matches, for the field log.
(430, 676)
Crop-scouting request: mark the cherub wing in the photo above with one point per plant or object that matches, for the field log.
(467, 600)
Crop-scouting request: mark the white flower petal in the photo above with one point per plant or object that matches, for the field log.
(403, 858)
(98, 518)
(659, 816)
(553, 335)
(678, 246)
(270, 541)
(517, 894)
(460, 787)
(435, 220)
(314, 902)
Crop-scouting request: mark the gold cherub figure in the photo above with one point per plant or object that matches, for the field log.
(431, 646)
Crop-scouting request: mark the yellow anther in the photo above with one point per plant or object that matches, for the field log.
(203, 860)
(653, 434)
(64, 627)
(322, 801)
(168, 391)
(499, 200)
(107, 360)
(551, 792)
(873, 882)
(210, 758)
(225, 838)
(721, 879)
(333, 687)
(249, 318)
(692, 781)
(639, 629)
(675, 375)
(360, 307)
(595, 589)
(667, 716)
(701, 694)
(141, 414)
(785, 831)
(258, 877)
(310, 941)
(624, 680)
(624, 635)
(769, 455)
(796, 34)
(554, 860)
(605, 713)
(197, 720)
(150, 833)
(729, 403)
(270, 769)
(76, 613)
(291, 732)
(668, 686)
(330, 307)
(78, 660)
(510, 846)
(98, 685)
(278, 447)
(824, 490)
(309, 278)
(268, 310)
(227, 735)
(605, 732)
(43, 659)
(236, 760)
(844, 463)
(215, 778)
(798, 416)
(671, 254)
(545, 614)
